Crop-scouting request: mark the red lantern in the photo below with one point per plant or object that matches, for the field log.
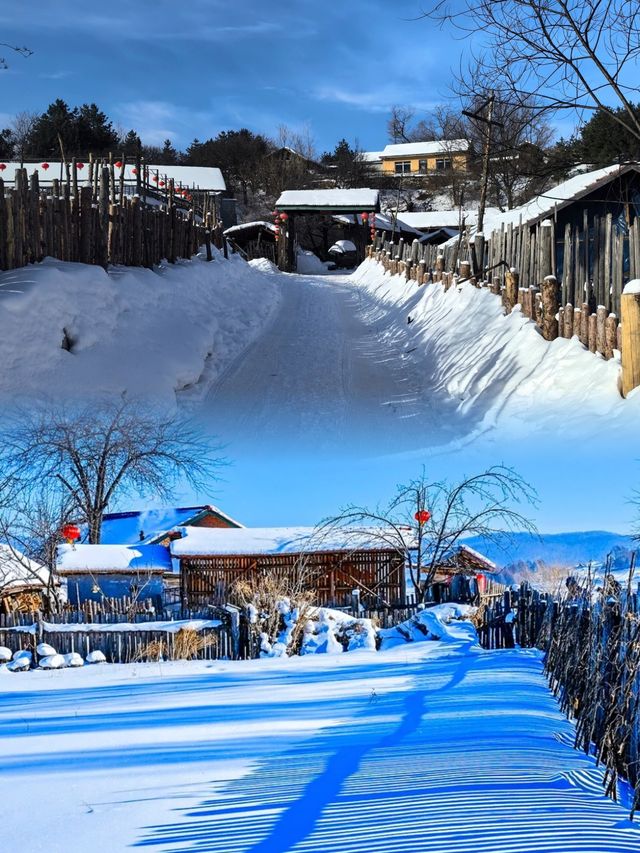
(3, 166)
(71, 532)
(134, 171)
(284, 217)
(161, 184)
(482, 583)
(118, 164)
(45, 166)
(80, 165)
(422, 516)
(155, 178)
(365, 217)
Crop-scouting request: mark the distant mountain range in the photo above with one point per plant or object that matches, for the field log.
(556, 549)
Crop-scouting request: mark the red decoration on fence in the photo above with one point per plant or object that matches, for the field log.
(134, 171)
(118, 164)
(80, 165)
(284, 217)
(155, 178)
(482, 583)
(3, 166)
(365, 217)
(422, 516)
(161, 184)
(45, 166)
(71, 532)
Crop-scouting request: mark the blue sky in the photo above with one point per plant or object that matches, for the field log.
(191, 69)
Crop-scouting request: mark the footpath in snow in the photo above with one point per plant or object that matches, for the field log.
(425, 748)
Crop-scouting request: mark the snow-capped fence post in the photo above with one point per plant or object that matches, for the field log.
(630, 325)
(550, 305)
(511, 284)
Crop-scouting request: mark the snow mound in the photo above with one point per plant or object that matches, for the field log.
(265, 266)
(96, 657)
(444, 622)
(19, 664)
(309, 264)
(5, 654)
(75, 331)
(23, 653)
(52, 662)
(73, 659)
(45, 650)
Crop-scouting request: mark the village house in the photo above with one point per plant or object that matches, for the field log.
(98, 572)
(23, 582)
(159, 526)
(421, 158)
(334, 566)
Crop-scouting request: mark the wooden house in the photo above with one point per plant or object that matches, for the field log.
(159, 526)
(212, 561)
(96, 572)
(23, 581)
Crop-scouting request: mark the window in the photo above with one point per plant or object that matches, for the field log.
(443, 163)
(403, 166)
(422, 166)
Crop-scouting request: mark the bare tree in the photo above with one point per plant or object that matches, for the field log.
(576, 55)
(21, 51)
(21, 128)
(93, 455)
(426, 522)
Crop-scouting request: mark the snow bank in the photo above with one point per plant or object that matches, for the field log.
(309, 264)
(171, 627)
(497, 368)
(445, 622)
(148, 332)
(332, 632)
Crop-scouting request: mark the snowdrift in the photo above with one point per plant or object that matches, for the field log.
(74, 331)
(498, 368)
(444, 622)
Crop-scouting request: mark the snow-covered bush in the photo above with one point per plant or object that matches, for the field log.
(45, 650)
(53, 661)
(445, 622)
(5, 654)
(96, 656)
(20, 664)
(73, 659)
(333, 632)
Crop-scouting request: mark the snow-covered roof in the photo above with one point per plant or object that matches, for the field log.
(123, 528)
(249, 226)
(272, 540)
(113, 558)
(556, 198)
(196, 177)
(370, 156)
(430, 220)
(335, 199)
(424, 149)
(17, 571)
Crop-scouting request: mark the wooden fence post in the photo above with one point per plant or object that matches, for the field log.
(550, 304)
(630, 319)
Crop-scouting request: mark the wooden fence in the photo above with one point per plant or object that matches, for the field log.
(593, 664)
(97, 223)
(117, 638)
(594, 309)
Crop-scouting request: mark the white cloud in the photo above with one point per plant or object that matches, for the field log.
(379, 100)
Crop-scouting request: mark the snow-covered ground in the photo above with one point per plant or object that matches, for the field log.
(425, 748)
(149, 332)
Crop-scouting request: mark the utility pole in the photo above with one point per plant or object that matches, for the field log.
(487, 119)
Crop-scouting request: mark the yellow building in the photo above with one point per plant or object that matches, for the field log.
(423, 158)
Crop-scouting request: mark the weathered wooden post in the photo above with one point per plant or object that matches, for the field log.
(630, 323)
(439, 267)
(465, 271)
(610, 336)
(550, 305)
(511, 286)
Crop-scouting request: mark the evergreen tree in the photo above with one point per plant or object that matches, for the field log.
(131, 145)
(349, 168)
(7, 144)
(57, 125)
(168, 154)
(603, 141)
(95, 132)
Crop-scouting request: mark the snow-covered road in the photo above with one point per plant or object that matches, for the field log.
(320, 376)
(426, 748)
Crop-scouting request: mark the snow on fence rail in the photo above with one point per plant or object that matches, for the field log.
(93, 224)
(120, 641)
(576, 288)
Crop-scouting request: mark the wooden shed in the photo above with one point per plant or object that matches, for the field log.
(212, 561)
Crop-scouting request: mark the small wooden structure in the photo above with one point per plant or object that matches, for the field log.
(295, 203)
(212, 561)
(96, 572)
(23, 581)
